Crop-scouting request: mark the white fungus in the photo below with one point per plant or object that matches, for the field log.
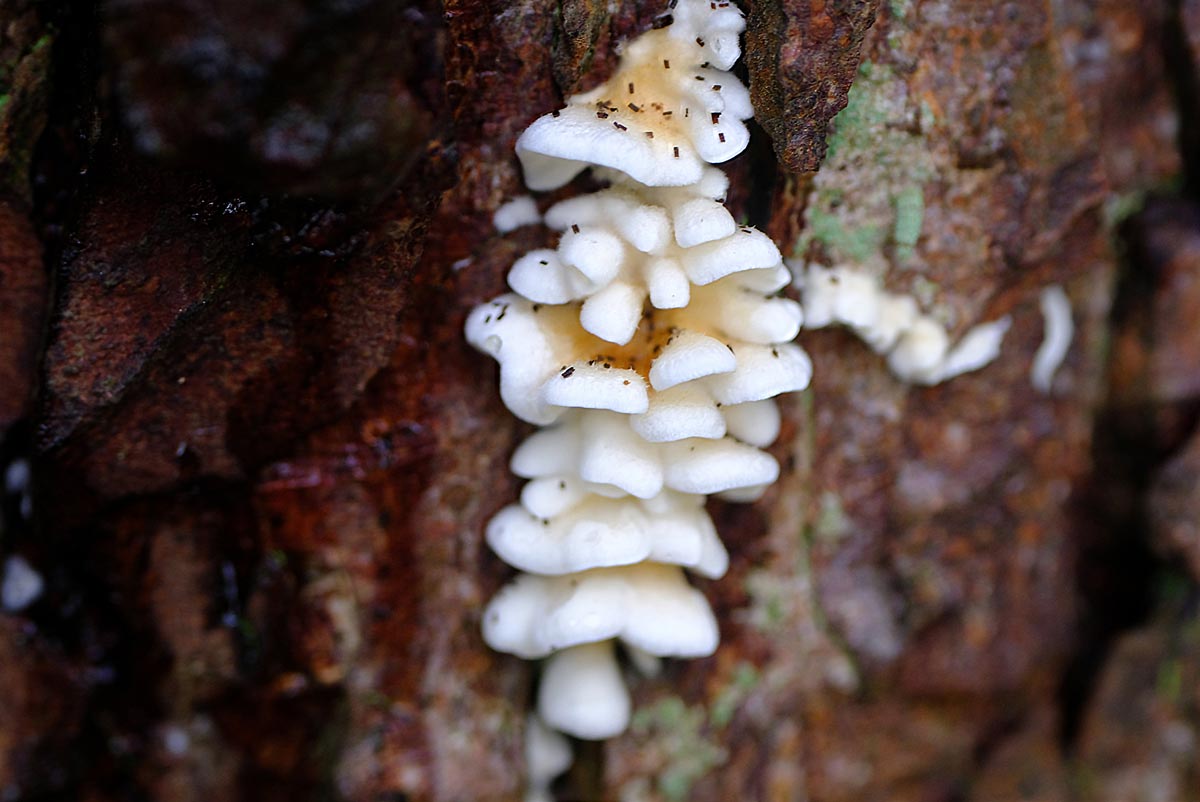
(21, 585)
(620, 248)
(1060, 329)
(917, 346)
(520, 211)
(603, 449)
(671, 107)
(648, 605)
(582, 692)
(17, 477)
(648, 342)
(598, 532)
(547, 755)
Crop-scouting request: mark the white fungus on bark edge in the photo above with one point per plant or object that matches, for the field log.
(1060, 329)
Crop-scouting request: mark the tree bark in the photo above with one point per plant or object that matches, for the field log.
(237, 246)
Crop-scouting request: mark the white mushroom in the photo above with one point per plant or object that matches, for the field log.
(649, 342)
(520, 211)
(763, 371)
(978, 347)
(670, 107)
(920, 351)
(679, 413)
(648, 605)
(547, 755)
(755, 423)
(544, 364)
(688, 356)
(599, 532)
(602, 449)
(582, 692)
(1060, 329)
(617, 250)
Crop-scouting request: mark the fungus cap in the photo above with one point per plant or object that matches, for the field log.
(690, 355)
(526, 347)
(715, 466)
(596, 447)
(678, 413)
(763, 371)
(894, 315)
(520, 211)
(585, 386)
(920, 351)
(978, 347)
(582, 692)
(614, 312)
(755, 423)
(648, 605)
(645, 226)
(668, 284)
(746, 249)
(670, 108)
(745, 313)
(599, 532)
(557, 147)
(1059, 331)
(547, 755)
(819, 286)
(542, 277)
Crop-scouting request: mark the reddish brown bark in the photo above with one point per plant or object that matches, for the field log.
(264, 455)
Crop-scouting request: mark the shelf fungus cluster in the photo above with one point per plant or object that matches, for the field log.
(649, 344)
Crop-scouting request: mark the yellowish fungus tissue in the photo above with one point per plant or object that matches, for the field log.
(649, 344)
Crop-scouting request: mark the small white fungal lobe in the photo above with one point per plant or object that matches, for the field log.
(520, 211)
(547, 755)
(648, 605)
(17, 477)
(917, 346)
(583, 694)
(1060, 329)
(587, 531)
(671, 107)
(21, 585)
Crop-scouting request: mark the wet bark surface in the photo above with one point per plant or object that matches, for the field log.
(236, 251)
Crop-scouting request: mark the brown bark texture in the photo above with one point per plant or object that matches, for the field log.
(238, 242)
